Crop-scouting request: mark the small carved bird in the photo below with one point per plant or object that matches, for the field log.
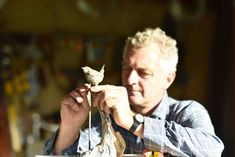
(92, 76)
(112, 144)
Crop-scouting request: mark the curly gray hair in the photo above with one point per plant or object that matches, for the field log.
(168, 51)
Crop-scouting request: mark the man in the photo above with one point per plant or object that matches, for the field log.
(141, 109)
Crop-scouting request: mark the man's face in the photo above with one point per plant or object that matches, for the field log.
(143, 77)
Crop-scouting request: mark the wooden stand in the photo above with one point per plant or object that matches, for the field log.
(5, 140)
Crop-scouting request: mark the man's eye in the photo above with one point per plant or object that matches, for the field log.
(144, 74)
(125, 70)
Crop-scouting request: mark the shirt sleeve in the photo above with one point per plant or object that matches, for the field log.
(81, 144)
(187, 132)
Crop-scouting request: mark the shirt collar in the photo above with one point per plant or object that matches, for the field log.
(162, 109)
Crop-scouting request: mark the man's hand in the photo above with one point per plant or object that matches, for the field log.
(74, 112)
(113, 100)
(74, 108)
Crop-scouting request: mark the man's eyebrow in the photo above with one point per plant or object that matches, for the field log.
(124, 64)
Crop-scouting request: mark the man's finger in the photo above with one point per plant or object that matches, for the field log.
(100, 88)
(76, 95)
(70, 101)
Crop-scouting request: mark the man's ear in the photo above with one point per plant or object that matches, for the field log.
(170, 79)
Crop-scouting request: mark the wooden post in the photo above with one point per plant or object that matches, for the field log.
(5, 140)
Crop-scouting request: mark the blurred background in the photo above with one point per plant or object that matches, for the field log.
(44, 44)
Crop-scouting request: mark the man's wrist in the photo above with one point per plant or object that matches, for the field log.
(68, 131)
(66, 136)
(138, 120)
(128, 121)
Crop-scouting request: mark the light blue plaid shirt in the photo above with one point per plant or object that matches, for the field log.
(179, 128)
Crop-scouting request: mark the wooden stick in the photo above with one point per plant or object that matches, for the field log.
(89, 129)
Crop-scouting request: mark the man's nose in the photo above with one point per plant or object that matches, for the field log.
(133, 77)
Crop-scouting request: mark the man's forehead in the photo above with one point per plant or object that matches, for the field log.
(141, 57)
(140, 64)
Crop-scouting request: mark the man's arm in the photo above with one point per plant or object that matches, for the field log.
(65, 138)
(80, 143)
(74, 110)
(188, 132)
(49, 147)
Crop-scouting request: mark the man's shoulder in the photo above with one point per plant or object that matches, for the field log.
(184, 105)
(189, 113)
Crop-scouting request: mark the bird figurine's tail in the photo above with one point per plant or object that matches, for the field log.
(102, 69)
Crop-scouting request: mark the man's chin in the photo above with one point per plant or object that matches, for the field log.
(134, 101)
